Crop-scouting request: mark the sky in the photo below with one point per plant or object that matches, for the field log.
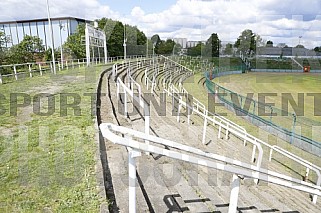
(287, 21)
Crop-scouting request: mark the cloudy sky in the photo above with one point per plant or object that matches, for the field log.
(280, 21)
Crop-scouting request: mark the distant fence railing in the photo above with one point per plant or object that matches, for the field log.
(284, 125)
(19, 71)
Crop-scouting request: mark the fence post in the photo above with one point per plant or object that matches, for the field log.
(254, 105)
(40, 70)
(132, 154)
(125, 102)
(178, 107)
(67, 64)
(78, 63)
(147, 122)
(293, 127)
(59, 66)
(234, 194)
(204, 127)
(227, 127)
(30, 73)
(15, 72)
(1, 82)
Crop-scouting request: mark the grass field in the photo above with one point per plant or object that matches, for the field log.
(47, 149)
(195, 87)
(279, 84)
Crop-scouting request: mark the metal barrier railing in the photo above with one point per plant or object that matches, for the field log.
(247, 136)
(221, 124)
(257, 171)
(16, 70)
(196, 156)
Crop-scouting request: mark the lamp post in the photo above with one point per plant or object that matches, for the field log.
(52, 40)
(154, 44)
(125, 40)
(300, 39)
(61, 26)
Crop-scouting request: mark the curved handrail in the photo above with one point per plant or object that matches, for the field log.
(233, 166)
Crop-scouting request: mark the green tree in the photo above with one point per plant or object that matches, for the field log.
(166, 47)
(197, 50)
(114, 31)
(212, 46)
(48, 54)
(136, 41)
(269, 44)
(317, 49)
(156, 42)
(2, 48)
(247, 42)
(299, 46)
(3, 39)
(29, 49)
(228, 49)
(74, 44)
(177, 48)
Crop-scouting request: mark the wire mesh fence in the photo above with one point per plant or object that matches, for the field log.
(298, 130)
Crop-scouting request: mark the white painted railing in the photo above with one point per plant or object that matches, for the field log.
(136, 99)
(300, 65)
(132, 139)
(243, 135)
(131, 83)
(231, 127)
(41, 67)
(309, 166)
(226, 126)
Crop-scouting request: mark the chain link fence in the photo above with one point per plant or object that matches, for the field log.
(300, 131)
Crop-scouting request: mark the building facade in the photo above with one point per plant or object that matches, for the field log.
(181, 41)
(62, 28)
(191, 44)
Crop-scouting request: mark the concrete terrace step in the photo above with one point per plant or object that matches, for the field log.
(194, 191)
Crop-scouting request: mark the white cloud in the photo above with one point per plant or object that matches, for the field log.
(272, 19)
(30, 9)
(194, 19)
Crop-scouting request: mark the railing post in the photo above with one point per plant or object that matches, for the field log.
(270, 157)
(132, 154)
(178, 107)
(147, 122)
(204, 127)
(15, 72)
(30, 73)
(125, 102)
(293, 128)
(253, 153)
(114, 70)
(117, 92)
(306, 174)
(67, 64)
(146, 77)
(188, 113)
(227, 127)
(219, 130)
(234, 196)
(40, 70)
